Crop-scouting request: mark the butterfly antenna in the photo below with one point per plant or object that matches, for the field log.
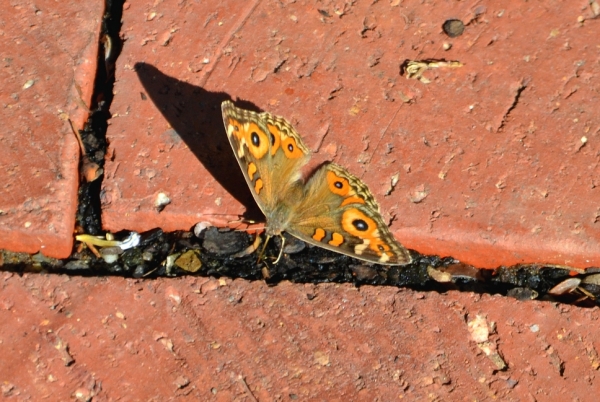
(280, 250)
(247, 229)
(241, 222)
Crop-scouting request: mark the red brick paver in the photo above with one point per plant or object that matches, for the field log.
(496, 161)
(196, 338)
(48, 53)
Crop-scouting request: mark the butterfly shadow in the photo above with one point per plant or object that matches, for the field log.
(195, 115)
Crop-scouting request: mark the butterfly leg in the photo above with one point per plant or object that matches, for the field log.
(262, 251)
(280, 250)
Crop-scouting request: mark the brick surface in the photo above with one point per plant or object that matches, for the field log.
(208, 339)
(48, 53)
(497, 160)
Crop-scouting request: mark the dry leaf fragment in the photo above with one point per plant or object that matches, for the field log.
(415, 68)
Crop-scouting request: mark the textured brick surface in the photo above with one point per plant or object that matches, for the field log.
(48, 52)
(196, 338)
(497, 161)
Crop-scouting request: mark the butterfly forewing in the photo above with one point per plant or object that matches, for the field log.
(269, 152)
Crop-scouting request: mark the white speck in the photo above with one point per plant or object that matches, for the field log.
(161, 201)
(534, 328)
(110, 258)
(479, 329)
(29, 84)
(201, 227)
(170, 261)
(131, 241)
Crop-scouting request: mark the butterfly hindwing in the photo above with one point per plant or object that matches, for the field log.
(338, 212)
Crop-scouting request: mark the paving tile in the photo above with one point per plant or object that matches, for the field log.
(496, 161)
(48, 54)
(210, 339)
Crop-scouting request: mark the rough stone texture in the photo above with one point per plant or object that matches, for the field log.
(210, 339)
(48, 52)
(492, 161)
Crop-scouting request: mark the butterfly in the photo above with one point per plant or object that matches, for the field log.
(333, 209)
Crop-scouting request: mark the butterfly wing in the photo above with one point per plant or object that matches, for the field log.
(269, 152)
(339, 213)
(334, 209)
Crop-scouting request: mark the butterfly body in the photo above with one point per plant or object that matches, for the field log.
(333, 209)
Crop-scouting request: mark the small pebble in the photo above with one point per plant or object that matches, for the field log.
(453, 28)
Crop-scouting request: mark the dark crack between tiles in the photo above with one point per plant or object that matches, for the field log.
(93, 135)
